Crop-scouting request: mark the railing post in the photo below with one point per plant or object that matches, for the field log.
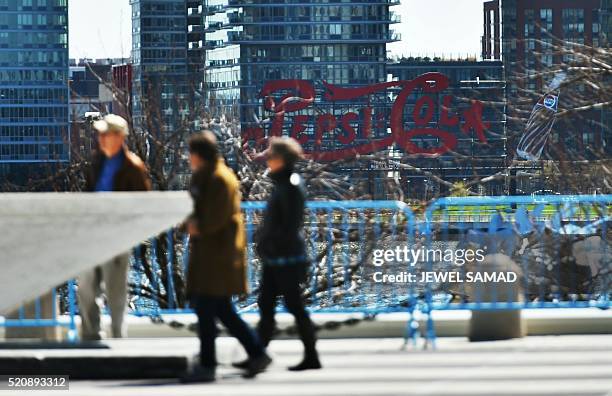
(249, 247)
(170, 292)
(73, 334)
(330, 253)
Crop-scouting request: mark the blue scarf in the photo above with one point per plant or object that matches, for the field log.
(110, 167)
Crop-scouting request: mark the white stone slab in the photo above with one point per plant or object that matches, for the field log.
(48, 238)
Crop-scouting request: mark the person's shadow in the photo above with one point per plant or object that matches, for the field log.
(171, 381)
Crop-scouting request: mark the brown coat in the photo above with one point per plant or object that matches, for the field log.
(217, 260)
(133, 175)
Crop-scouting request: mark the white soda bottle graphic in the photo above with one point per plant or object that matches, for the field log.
(540, 122)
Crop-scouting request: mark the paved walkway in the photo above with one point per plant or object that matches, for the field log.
(547, 365)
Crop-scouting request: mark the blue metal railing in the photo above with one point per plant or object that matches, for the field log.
(558, 218)
(22, 319)
(538, 235)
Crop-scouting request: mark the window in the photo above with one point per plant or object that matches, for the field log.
(529, 22)
(530, 45)
(573, 22)
(24, 19)
(596, 28)
(546, 20)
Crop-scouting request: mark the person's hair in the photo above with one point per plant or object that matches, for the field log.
(204, 145)
(286, 148)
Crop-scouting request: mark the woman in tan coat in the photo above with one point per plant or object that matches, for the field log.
(217, 259)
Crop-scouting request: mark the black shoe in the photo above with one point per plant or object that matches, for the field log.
(307, 364)
(243, 365)
(199, 374)
(91, 337)
(257, 365)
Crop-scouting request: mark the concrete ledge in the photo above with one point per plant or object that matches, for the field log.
(447, 324)
(97, 367)
(112, 359)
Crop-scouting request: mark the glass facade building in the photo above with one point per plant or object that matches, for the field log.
(605, 36)
(161, 83)
(167, 77)
(250, 44)
(90, 88)
(605, 22)
(538, 38)
(543, 35)
(491, 38)
(34, 92)
(222, 75)
(531, 29)
(331, 41)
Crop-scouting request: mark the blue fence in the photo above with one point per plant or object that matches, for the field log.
(557, 246)
(56, 309)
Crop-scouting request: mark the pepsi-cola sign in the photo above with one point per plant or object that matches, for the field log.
(281, 98)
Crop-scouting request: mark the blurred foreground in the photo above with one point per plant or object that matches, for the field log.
(549, 365)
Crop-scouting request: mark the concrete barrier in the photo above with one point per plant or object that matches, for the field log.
(48, 238)
(499, 324)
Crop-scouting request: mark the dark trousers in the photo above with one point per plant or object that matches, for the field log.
(284, 281)
(209, 308)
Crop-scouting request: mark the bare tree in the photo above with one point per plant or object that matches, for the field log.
(571, 163)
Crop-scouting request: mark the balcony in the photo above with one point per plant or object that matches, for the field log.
(234, 19)
(214, 9)
(260, 3)
(241, 37)
(212, 44)
(195, 45)
(213, 27)
(241, 19)
(194, 28)
(194, 11)
(394, 17)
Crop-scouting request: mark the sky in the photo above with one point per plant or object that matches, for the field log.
(438, 27)
(428, 27)
(99, 28)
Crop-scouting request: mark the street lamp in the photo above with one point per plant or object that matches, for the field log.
(90, 117)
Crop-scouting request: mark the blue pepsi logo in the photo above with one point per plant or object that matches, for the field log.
(550, 101)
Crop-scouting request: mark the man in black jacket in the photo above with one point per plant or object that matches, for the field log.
(281, 247)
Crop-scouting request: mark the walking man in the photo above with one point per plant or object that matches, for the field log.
(114, 168)
(217, 268)
(282, 250)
